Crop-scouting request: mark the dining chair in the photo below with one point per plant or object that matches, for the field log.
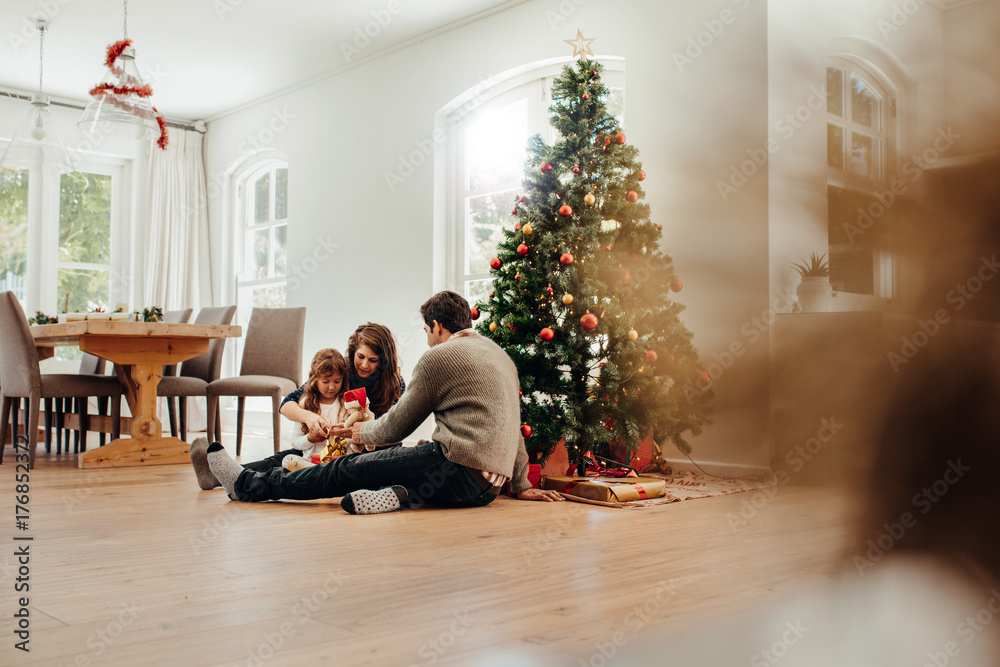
(90, 365)
(182, 316)
(271, 366)
(196, 373)
(23, 379)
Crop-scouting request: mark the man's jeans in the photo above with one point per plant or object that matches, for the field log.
(423, 470)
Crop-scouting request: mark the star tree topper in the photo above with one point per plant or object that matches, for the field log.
(581, 45)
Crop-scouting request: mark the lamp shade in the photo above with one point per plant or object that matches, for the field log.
(37, 142)
(120, 104)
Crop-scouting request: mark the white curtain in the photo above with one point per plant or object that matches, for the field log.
(178, 266)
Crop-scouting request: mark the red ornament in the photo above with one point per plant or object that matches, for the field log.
(677, 319)
(627, 278)
(565, 210)
(517, 276)
(651, 357)
(522, 200)
(513, 211)
(546, 167)
(495, 263)
(549, 289)
(517, 226)
(632, 196)
(589, 321)
(676, 285)
(607, 141)
(586, 96)
(620, 137)
(642, 175)
(705, 376)
(474, 312)
(566, 258)
(526, 430)
(547, 334)
(660, 227)
(576, 170)
(522, 249)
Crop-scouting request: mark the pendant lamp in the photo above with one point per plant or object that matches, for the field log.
(120, 103)
(37, 142)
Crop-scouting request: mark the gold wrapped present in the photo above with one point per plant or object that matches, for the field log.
(607, 489)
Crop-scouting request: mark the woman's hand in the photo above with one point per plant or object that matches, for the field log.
(540, 494)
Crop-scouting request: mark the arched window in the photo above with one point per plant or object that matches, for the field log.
(261, 246)
(861, 162)
(487, 128)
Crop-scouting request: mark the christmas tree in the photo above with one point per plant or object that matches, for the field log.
(581, 292)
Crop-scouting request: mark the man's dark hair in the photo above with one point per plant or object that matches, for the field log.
(449, 309)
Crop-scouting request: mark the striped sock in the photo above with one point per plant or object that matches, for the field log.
(389, 499)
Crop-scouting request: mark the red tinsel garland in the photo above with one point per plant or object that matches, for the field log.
(114, 51)
(109, 91)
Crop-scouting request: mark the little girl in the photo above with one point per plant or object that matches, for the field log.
(322, 394)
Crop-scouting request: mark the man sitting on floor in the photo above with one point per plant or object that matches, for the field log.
(468, 383)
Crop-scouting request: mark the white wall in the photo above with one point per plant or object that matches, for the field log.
(688, 122)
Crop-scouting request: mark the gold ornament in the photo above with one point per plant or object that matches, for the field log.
(589, 199)
(567, 298)
(632, 334)
(527, 229)
(493, 326)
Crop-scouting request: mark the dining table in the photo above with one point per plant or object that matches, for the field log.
(139, 351)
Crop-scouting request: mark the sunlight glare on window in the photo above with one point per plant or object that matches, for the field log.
(496, 146)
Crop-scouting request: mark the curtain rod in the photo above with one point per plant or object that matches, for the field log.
(70, 105)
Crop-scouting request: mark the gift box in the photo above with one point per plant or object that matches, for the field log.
(607, 489)
(534, 474)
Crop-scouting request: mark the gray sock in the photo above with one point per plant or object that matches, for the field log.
(199, 459)
(225, 469)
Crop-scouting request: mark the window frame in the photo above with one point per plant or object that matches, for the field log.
(532, 82)
(42, 243)
(883, 262)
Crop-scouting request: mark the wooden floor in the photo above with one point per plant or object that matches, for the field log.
(135, 566)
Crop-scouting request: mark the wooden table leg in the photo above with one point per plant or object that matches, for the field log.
(147, 444)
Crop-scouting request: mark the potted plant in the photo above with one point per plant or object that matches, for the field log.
(814, 291)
